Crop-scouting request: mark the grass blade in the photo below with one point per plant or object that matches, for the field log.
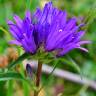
(10, 76)
(22, 57)
(10, 88)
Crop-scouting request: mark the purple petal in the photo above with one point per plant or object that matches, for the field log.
(50, 10)
(70, 24)
(29, 45)
(46, 13)
(78, 36)
(14, 30)
(24, 45)
(64, 18)
(13, 34)
(61, 18)
(66, 49)
(18, 21)
(15, 42)
(84, 49)
(27, 27)
(28, 15)
(9, 22)
(51, 40)
(84, 42)
(37, 14)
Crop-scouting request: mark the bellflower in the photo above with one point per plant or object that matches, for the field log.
(23, 32)
(57, 32)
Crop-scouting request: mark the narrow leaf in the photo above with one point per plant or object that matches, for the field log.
(10, 88)
(10, 75)
(22, 57)
(72, 63)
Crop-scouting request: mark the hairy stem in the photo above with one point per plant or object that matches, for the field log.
(38, 76)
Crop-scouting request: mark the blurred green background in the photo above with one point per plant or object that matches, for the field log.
(85, 9)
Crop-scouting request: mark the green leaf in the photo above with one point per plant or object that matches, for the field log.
(71, 63)
(10, 88)
(22, 57)
(5, 32)
(16, 76)
(74, 64)
(10, 76)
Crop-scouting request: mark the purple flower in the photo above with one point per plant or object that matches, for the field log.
(49, 27)
(23, 32)
(57, 32)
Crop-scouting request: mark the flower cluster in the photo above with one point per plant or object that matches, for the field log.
(49, 28)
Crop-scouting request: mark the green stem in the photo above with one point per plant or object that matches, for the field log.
(38, 76)
(10, 88)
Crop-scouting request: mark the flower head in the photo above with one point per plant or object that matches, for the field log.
(23, 32)
(49, 27)
(57, 32)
